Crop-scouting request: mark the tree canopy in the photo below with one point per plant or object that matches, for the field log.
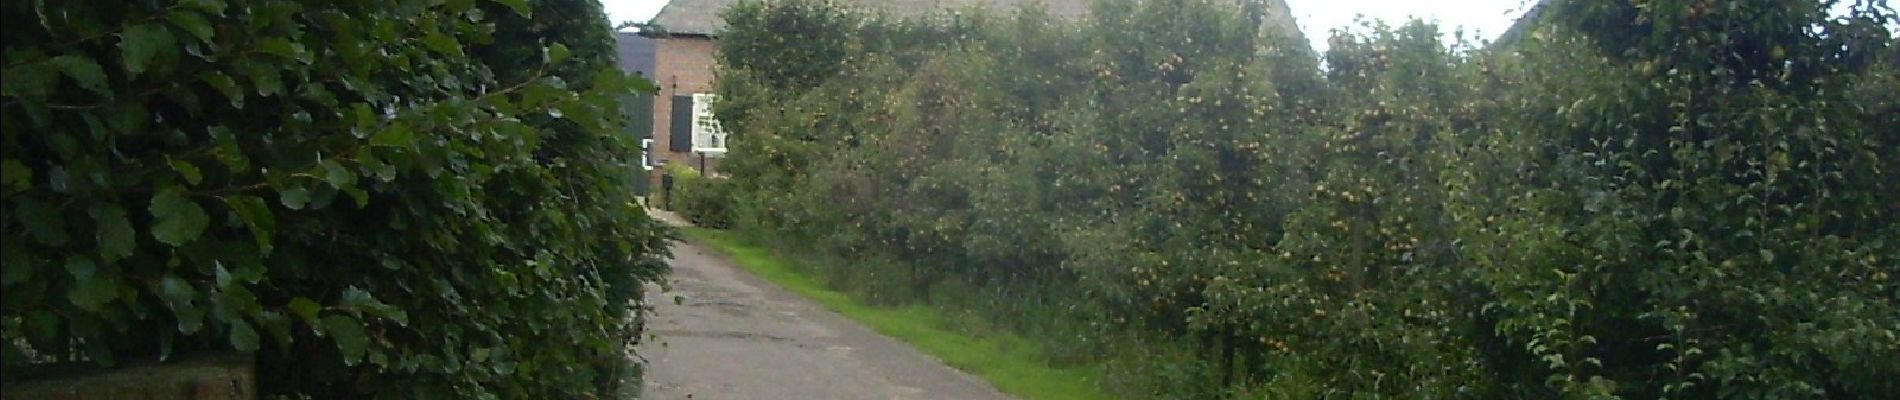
(1636, 199)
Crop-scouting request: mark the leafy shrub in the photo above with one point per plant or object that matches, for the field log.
(379, 199)
(1675, 199)
(704, 201)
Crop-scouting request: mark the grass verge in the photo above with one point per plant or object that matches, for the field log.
(1011, 363)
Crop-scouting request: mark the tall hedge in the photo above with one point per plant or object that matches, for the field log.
(407, 199)
(1660, 199)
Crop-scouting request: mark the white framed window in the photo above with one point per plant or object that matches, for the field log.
(646, 154)
(708, 136)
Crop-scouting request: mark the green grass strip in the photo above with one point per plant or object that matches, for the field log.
(1011, 363)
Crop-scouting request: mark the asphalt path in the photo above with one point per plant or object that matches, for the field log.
(732, 335)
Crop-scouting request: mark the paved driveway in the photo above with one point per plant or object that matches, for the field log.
(734, 336)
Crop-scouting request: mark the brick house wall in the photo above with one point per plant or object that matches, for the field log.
(683, 65)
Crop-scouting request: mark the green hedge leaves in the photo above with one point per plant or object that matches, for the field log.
(1660, 199)
(379, 199)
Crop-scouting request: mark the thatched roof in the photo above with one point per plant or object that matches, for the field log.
(702, 17)
(692, 17)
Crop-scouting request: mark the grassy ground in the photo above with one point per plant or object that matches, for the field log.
(1011, 363)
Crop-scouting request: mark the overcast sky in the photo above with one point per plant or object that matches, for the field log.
(619, 11)
(1485, 18)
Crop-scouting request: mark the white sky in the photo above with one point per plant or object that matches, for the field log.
(619, 11)
(1481, 19)
(1485, 18)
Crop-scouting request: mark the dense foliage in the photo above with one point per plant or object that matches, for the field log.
(703, 201)
(1635, 199)
(400, 199)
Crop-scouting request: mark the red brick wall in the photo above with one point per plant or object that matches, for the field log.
(682, 66)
